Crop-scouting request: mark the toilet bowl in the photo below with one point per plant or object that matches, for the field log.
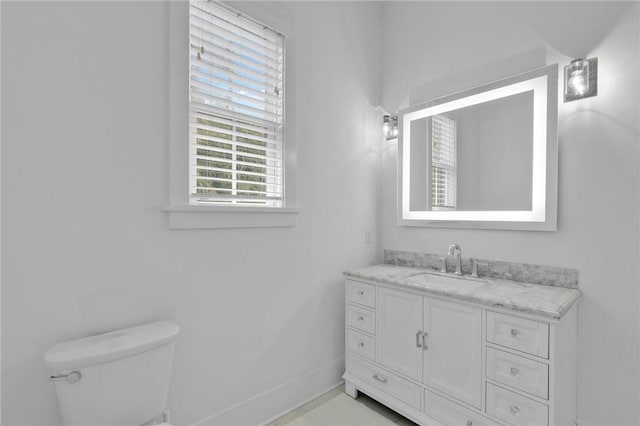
(116, 378)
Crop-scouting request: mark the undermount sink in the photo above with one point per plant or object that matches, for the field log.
(465, 282)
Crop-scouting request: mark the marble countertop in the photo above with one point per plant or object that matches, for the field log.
(536, 299)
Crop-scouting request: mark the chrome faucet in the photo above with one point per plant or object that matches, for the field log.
(454, 249)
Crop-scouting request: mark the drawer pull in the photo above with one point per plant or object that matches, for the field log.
(514, 410)
(514, 333)
(360, 318)
(380, 378)
(514, 372)
(469, 423)
(360, 293)
(361, 344)
(418, 344)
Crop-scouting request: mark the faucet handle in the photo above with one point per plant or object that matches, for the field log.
(474, 267)
(443, 265)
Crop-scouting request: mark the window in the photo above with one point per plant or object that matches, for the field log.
(236, 109)
(443, 162)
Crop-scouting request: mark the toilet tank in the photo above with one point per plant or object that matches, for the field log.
(124, 375)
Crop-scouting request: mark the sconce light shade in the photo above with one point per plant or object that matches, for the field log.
(580, 79)
(390, 127)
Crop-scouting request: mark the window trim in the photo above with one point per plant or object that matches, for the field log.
(182, 214)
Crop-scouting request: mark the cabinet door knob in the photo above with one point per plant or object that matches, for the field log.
(469, 423)
(360, 293)
(361, 344)
(424, 341)
(514, 371)
(514, 410)
(380, 378)
(514, 332)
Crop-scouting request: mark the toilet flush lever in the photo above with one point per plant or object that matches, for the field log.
(72, 377)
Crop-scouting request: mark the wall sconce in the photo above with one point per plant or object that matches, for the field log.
(390, 126)
(580, 79)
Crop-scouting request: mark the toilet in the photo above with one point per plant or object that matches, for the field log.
(120, 378)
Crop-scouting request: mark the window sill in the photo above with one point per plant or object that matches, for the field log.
(214, 217)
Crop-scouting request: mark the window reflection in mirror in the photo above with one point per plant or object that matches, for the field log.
(482, 155)
(475, 158)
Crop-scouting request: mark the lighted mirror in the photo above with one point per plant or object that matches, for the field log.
(483, 158)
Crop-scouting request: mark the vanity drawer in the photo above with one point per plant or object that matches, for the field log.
(393, 385)
(515, 409)
(520, 334)
(521, 373)
(361, 293)
(361, 344)
(361, 318)
(450, 413)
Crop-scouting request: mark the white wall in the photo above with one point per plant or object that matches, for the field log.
(494, 161)
(435, 48)
(85, 179)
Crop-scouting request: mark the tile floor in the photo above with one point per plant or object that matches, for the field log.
(335, 408)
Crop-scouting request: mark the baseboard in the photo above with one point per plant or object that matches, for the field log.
(273, 403)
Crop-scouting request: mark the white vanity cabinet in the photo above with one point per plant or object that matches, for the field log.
(442, 361)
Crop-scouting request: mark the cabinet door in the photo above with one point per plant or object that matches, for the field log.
(399, 325)
(453, 352)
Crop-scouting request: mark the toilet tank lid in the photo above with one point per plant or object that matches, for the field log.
(110, 346)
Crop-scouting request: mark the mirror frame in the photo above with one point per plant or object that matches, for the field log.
(543, 215)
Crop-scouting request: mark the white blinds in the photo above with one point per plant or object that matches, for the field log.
(443, 163)
(236, 69)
